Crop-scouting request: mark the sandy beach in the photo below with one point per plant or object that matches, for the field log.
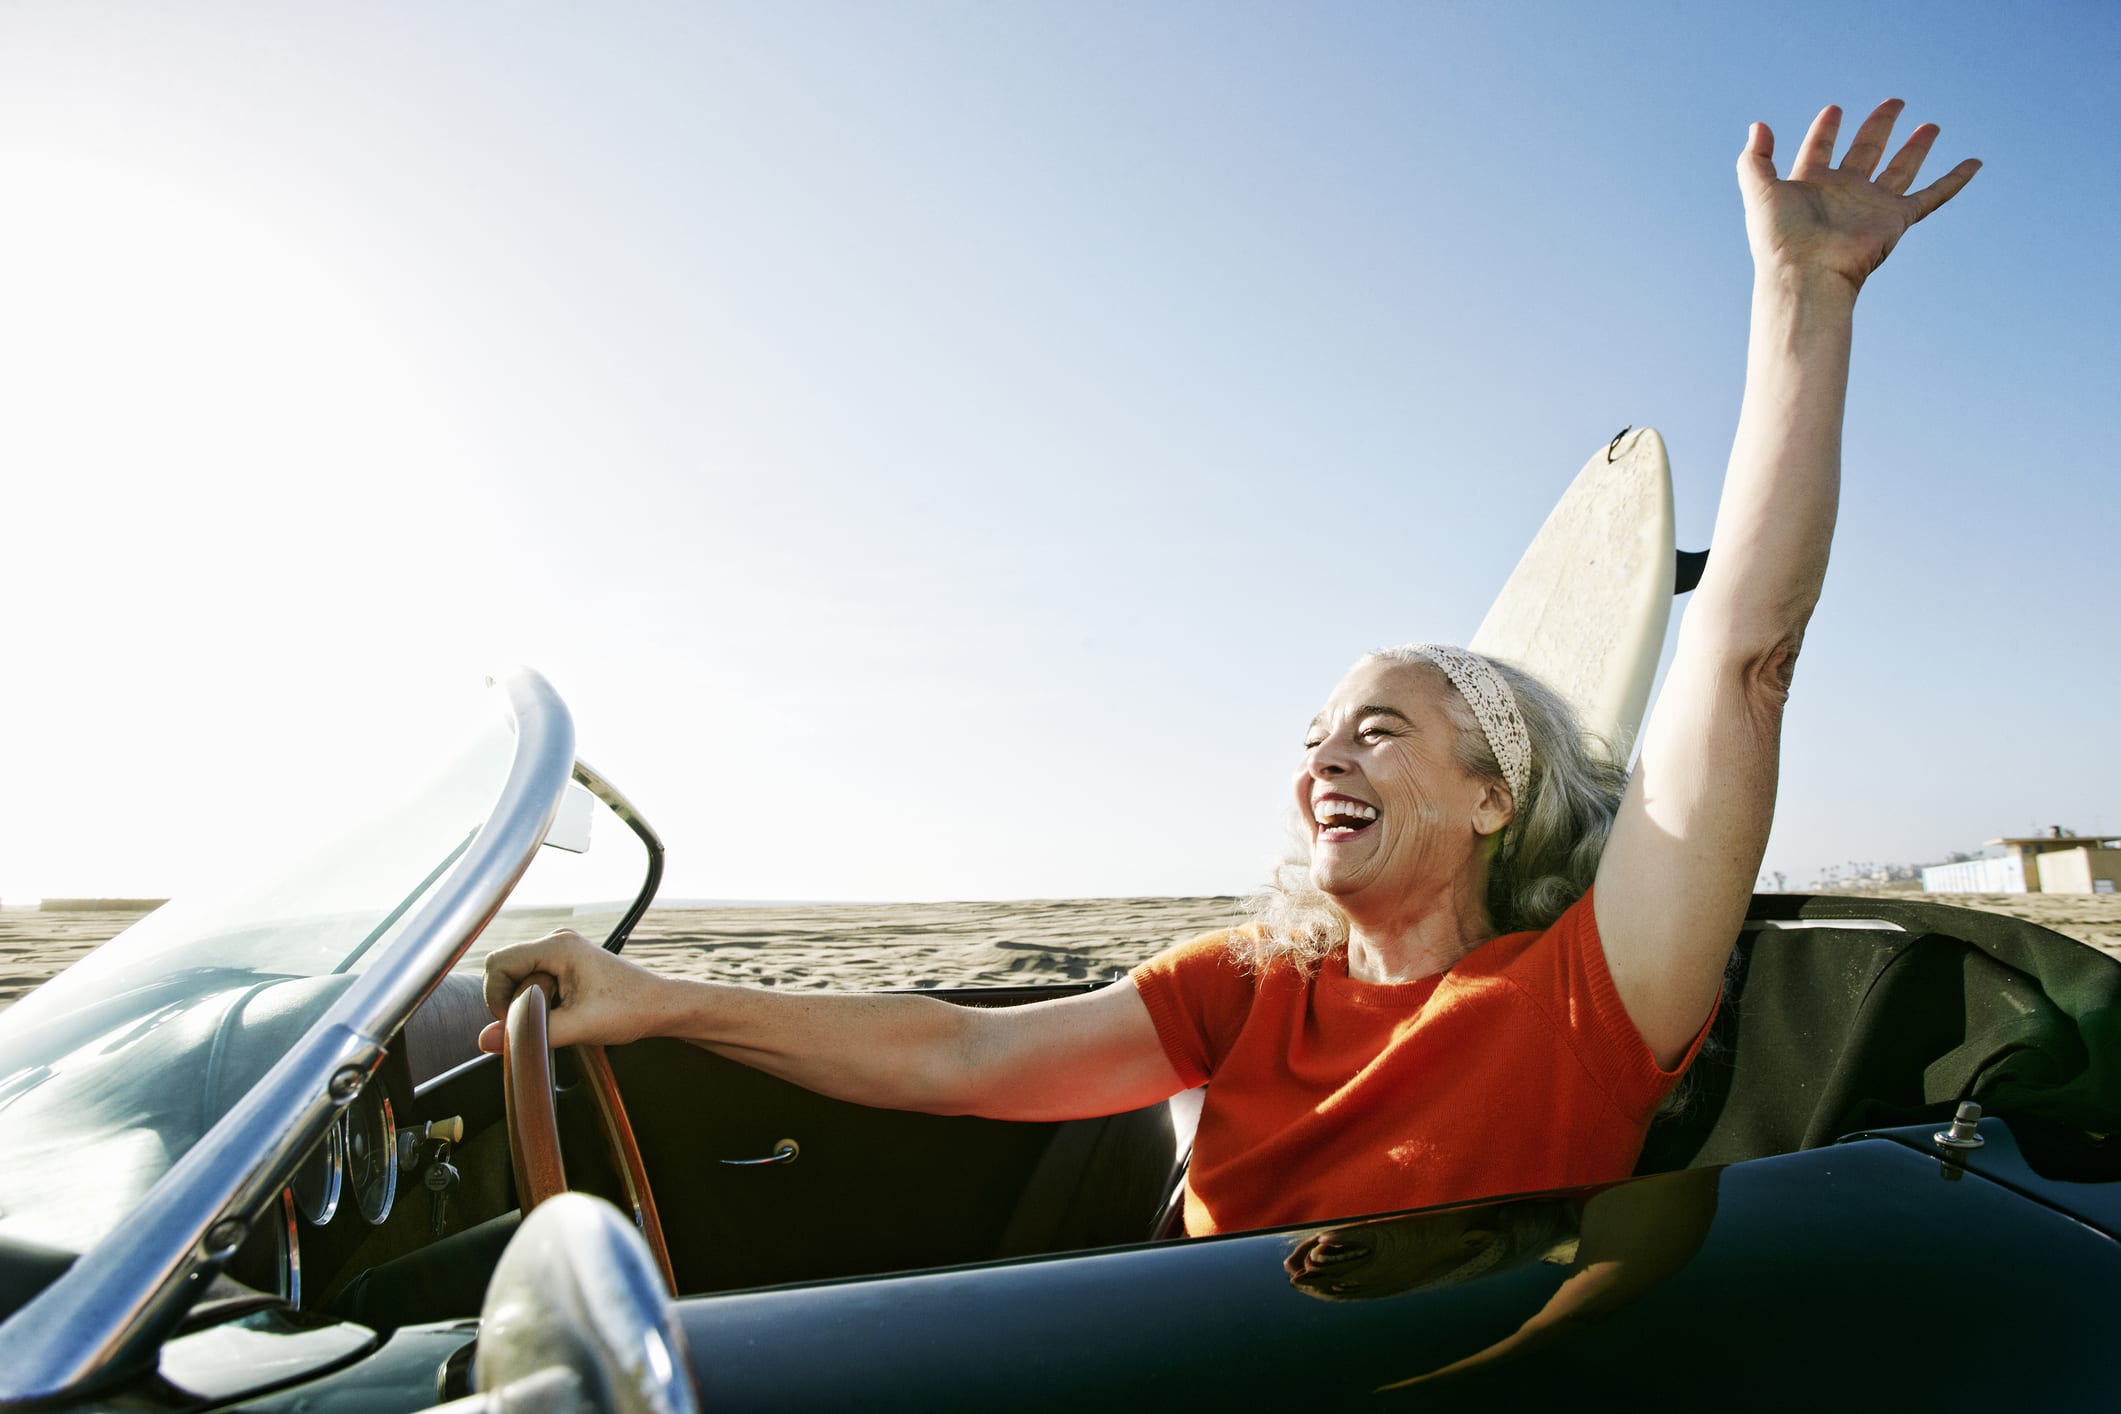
(848, 946)
(862, 946)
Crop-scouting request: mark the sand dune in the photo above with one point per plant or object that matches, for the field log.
(858, 946)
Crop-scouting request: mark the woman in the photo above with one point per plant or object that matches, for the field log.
(1493, 972)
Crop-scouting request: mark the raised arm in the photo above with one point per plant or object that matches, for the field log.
(1678, 872)
(1086, 1055)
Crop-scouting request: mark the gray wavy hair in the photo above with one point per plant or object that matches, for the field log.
(1548, 854)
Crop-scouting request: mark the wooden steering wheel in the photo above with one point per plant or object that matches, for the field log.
(533, 1122)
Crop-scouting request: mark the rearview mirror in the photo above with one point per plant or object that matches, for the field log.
(570, 825)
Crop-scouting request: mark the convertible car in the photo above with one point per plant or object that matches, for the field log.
(250, 1158)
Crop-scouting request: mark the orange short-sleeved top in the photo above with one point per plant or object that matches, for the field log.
(1516, 1070)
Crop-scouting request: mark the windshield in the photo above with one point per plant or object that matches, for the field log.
(114, 1068)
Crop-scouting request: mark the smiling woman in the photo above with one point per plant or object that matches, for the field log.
(1501, 962)
(1396, 954)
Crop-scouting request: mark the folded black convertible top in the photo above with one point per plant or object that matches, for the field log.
(1829, 1030)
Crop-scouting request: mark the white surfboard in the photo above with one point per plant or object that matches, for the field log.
(1586, 608)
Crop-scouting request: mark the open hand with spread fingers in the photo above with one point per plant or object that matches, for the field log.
(1824, 219)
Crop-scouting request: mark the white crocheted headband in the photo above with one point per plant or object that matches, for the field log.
(1494, 707)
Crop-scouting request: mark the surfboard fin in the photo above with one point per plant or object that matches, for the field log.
(1688, 574)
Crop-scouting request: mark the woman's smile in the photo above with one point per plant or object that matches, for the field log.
(1339, 818)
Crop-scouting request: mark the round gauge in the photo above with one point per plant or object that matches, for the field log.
(372, 1152)
(317, 1182)
(270, 1257)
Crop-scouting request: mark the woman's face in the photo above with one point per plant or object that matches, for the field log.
(1392, 814)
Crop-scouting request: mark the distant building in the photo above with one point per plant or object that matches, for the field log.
(1994, 875)
(2056, 862)
(2091, 869)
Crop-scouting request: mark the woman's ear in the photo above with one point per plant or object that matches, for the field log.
(1494, 810)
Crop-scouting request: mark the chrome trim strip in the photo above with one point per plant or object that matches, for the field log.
(1761, 925)
(103, 1319)
(461, 1068)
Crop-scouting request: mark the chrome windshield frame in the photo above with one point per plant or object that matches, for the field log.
(104, 1318)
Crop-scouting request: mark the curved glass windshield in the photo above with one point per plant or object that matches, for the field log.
(114, 1068)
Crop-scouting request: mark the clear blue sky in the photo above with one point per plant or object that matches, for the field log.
(950, 450)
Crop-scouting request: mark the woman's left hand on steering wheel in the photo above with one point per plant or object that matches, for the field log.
(601, 999)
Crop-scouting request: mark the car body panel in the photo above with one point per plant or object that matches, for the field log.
(1840, 1274)
(2072, 1172)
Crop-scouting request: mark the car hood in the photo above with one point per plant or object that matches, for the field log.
(1865, 1270)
